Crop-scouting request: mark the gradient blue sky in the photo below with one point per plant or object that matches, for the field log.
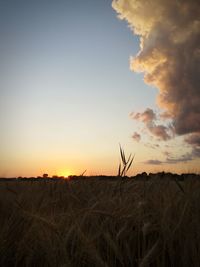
(66, 89)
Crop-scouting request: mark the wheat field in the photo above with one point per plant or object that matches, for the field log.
(100, 222)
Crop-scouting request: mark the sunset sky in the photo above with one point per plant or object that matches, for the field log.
(79, 77)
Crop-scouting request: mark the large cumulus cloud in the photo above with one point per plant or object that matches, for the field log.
(169, 56)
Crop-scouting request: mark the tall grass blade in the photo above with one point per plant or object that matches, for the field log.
(130, 164)
(123, 173)
(122, 155)
(119, 170)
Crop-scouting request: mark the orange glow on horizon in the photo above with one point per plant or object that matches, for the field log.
(65, 172)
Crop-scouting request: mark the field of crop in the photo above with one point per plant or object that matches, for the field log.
(100, 222)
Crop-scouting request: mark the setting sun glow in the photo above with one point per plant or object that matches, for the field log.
(64, 173)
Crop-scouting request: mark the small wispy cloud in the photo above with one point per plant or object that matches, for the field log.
(184, 158)
(159, 131)
(166, 153)
(193, 139)
(136, 137)
(171, 159)
(153, 146)
(196, 152)
(148, 118)
(153, 162)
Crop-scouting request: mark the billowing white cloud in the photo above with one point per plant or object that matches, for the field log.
(169, 56)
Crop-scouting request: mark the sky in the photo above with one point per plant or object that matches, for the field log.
(79, 77)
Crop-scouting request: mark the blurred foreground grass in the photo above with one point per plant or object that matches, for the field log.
(93, 222)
